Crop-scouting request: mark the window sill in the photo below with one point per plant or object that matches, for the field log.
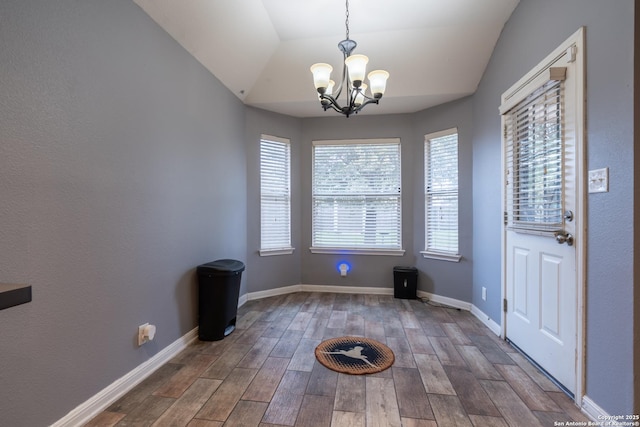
(354, 251)
(273, 252)
(441, 256)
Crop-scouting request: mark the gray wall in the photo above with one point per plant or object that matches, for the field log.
(533, 31)
(122, 167)
(124, 164)
(269, 272)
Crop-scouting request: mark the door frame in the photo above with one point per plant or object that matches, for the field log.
(566, 48)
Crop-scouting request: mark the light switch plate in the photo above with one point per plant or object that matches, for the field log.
(599, 180)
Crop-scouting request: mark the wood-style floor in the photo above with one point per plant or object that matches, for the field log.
(450, 370)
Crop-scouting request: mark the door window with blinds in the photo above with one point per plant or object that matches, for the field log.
(534, 161)
(275, 196)
(441, 195)
(357, 197)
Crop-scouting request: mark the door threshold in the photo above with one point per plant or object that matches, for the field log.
(551, 378)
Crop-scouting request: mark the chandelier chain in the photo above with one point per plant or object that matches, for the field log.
(346, 22)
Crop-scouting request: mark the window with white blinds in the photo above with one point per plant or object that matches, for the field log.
(357, 196)
(441, 195)
(275, 196)
(534, 161)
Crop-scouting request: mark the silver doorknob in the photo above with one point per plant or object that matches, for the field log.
(564, 237)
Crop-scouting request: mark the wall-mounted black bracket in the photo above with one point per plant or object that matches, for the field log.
(12, 295)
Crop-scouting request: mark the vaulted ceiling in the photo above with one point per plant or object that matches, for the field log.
(435, 50)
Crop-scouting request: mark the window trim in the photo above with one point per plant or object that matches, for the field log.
(432, 253)
(441, 256)
(287, 250)
(273, 252)
(354, 250)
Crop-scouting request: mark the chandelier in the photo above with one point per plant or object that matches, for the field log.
(353, 72)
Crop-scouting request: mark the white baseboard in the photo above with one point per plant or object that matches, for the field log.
(449, 302)
(488, 322)
(462, 305)
(98, 403)
(315, 288)
(593, 411)
(272, 292)
(242, 300)
(338, 289)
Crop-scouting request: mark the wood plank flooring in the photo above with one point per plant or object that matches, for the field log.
(450, 370)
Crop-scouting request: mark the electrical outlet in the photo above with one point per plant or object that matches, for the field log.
(484, 293)
(146, 333)
(141, 338)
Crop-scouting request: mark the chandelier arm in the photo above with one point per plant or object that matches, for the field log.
(353, 93)
(370, 97)
(347, 110)
(344, 77)
(336, 108)
(352, 97)
(333, 106)
(369, 101)
(332, 102)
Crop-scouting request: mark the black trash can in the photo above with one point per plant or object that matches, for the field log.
(218, 293)
(405, 282)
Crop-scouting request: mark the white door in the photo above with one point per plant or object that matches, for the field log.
(541, 141)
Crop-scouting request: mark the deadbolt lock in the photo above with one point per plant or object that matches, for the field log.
(568, 216)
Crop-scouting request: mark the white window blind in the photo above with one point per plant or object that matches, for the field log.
(275, 196)
(357, 194)
(534, 161)
(441, 192)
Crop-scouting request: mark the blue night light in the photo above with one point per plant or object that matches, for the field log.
(343, 267)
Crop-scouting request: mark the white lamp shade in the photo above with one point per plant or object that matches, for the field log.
(321, 75)
(329, 90)
(360, 96)
(357, 65)
(378, 82)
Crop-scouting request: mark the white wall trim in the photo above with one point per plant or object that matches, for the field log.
(99, 402)
(441, 256)
(450, 302)
(347, 289)
(270, 293)
(357, 251)
(593, 411)
(242, 300)
(313, 288)
(486, 320)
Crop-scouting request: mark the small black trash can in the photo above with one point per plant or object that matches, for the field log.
(218, 293)
(405, 282)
